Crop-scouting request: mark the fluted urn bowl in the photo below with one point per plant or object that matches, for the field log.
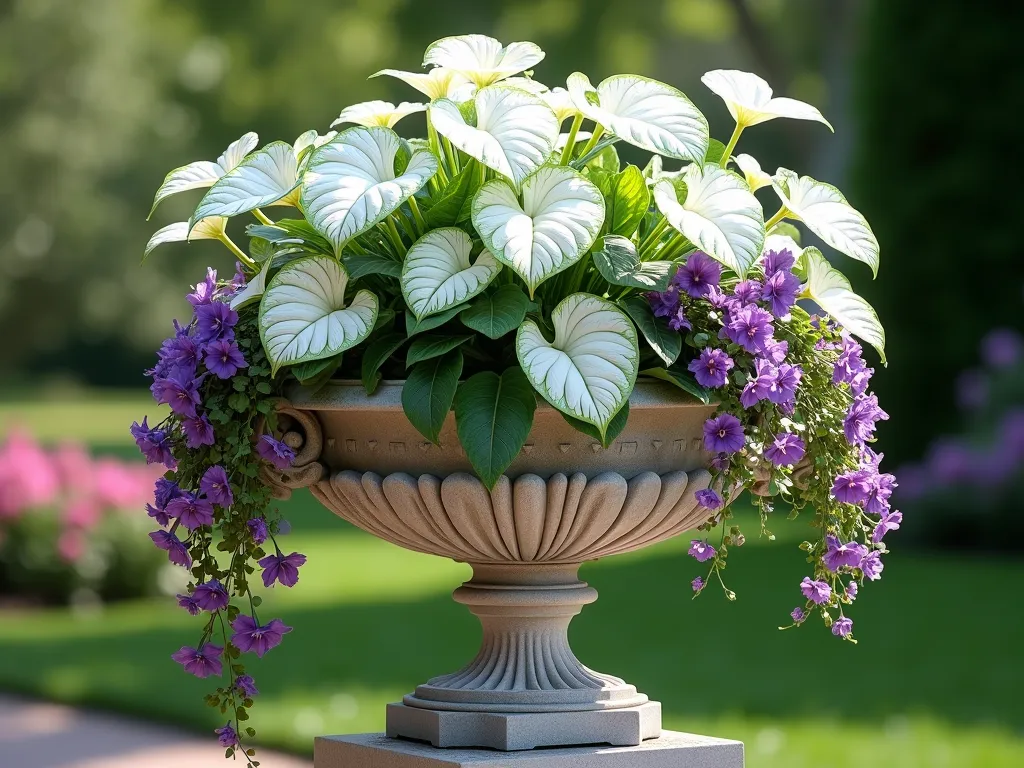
(563, 501)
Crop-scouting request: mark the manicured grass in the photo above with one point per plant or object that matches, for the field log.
(935, 680)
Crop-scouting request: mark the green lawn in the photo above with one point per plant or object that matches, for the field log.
(935, 680)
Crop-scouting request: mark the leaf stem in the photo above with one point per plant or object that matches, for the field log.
(727, 153)
(782, 213)
(421, 223)
(594, 138)
(654, 235)
(262, 217)
(439, 179)
(571, 140)
(242, 256)
(396, 239)
(453, 160)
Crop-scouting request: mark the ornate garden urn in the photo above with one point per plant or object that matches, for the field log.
(563, 501)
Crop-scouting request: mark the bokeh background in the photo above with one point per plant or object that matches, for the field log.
(100, 98)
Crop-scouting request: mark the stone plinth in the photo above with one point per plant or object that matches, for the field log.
(671, 750)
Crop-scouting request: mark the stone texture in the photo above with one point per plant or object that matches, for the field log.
(671, 750)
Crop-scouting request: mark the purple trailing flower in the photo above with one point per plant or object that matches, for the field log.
(709, 499)
(224, 359)
(664, 303)
(179, 391)
(155, 444)
(817, 592)
(701, 551)
(848, 555)
(202, 662)
(723, 434)
(852, 487)
(226, 736)
(750, 327)
(720, 463)
(176, 550)
(698, 274)
(859, 424)
(191, 511)
(851, 590)
(204, 292)
(890, 522)
(718, 299)
(711, 368)
(798, 614)
(257, 529)
(785, 450)
(247, 686)
(164, 491)
(211, 596)
(276, 452)
(1002, 348)
(776, 351)
(780, 292)
(198, 431)
(189, 604)
(880, 488)
(871, 566)
(159, 515)
(778, 261)
(249, 636)
(748, 292)
(238, 280)
(215, 321)
(216, 487)
(760, 384)
(283, 568)
(849, 367)
(181, 352)
(678, 321)
(697, 584)
(784, 384)
(842, 627)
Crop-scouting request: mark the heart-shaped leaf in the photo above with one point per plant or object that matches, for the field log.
(482, 59)
(202, 174)
(559, 219)
(428, 347)
(351, 183)
(590, 368)
(208, 229)
(826, 213)
(303, 315)
(362, 264)
(719, 215)
(645, 113)
(560, 102)
(316, 373)
(749, 99)
(428, 393)
(619, 264)
(666, 343)
(497, 313)
(381, 113)
(414, 326)
(515, 131)
(263, 178)
(438, 274)
(292, 232)
(493, 417)
(615, 426)
(833, 293)
(376, 354)
(628, 200)
(436, 83)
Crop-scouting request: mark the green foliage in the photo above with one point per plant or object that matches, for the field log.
(497, 313)
(429, 391)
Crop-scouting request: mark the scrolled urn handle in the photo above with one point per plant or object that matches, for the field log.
(300, 431)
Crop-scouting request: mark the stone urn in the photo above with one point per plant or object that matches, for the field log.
(563, 501)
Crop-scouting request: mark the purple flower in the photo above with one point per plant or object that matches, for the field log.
(159, 516)
(697, 584)
(211, 596)
(849, 367)
(182, 352)
(698, 274)
(204, 292)
(198, 431)
(678, 321)
(215, 320)
(880, 488)
(257, 529)
(154, 443)
(851, 590)
(709, 499)
(838, 555)
(1001, 348)
(179, 391)
(283, 568)
(191, 511)
(890, 522)
(778, 261)
(249, 636)
(164, 491)
(202, 662)
(842, 627)
(276, 452)
(817, 592)
(247, 686)
(780, 292)
(798, 614)
(785, 451)
(226, 736)
(750, 327)
(215, 486)
(852, 487)
(859, 424)
(189, 604)
(224, 359)
(784, 384)
(701, 550)
(759, 385)
(871, 566)
(712, 368)
(776, 351)
(720, 463)
(748, 292)
(664, 303)
(176, 550)
(718, 299)
(723, 434)
(238, 280)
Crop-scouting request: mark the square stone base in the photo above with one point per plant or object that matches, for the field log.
(670, 750)
(510, 731)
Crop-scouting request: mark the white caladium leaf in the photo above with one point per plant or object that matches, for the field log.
(350, 183)
(756, 178)
(559, 218)
(481, 59)
(202, 173)
(515, 132)
(827, 286)
(303, 315)
(720, 215)
(254, 289)
(643, 112)
(207, 229)
(560, 102)
(266, 177)
(310, 140)
(382, 113)
(591, 367)
(826, 213)
(437, 83)
(437, 273)
(749, 99)
(527, 84)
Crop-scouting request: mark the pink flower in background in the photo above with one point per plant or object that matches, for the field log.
(28, 477)
(82, 512)
(71, 545)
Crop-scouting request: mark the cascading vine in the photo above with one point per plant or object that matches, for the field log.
(498, 259)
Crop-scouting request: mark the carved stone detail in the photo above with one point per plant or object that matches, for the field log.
(300, 431)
